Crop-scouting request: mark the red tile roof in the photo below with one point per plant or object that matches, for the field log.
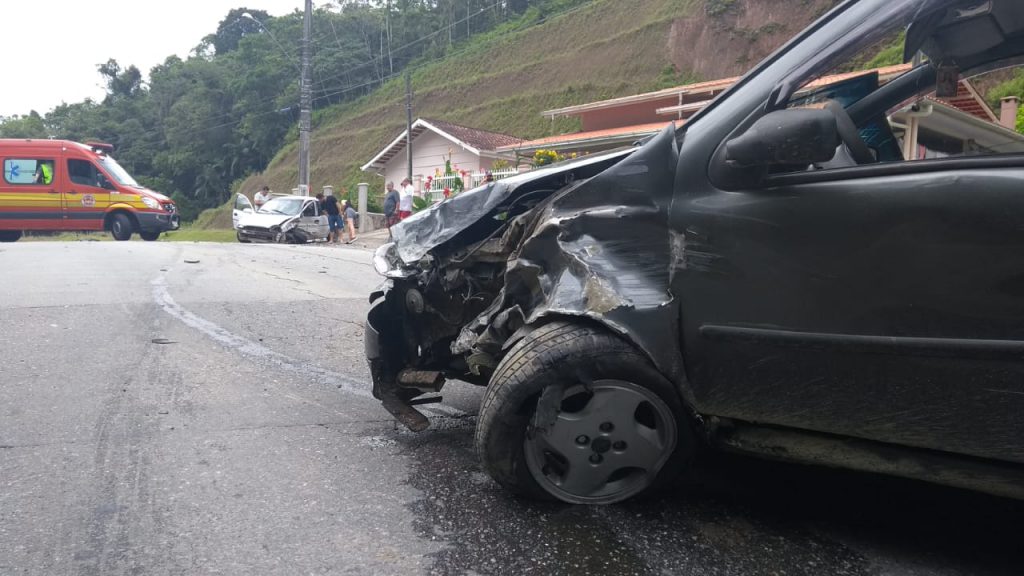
(969, 101)
(624, 132)
(475, 137)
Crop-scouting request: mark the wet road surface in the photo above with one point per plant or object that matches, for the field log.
(164, 417)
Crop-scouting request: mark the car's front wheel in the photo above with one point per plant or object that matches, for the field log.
(577, 414)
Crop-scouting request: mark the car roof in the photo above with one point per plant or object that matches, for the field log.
(291, 197)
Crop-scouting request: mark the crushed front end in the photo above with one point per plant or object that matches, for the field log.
(416, 316)
(468, 277)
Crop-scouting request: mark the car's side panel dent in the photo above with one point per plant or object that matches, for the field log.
(599, 249)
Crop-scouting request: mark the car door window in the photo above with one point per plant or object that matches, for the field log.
(929, 108)
(83, 172)
(309, 211)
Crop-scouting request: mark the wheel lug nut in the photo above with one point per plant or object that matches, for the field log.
(596, 458)
(607, 427)
(620, 446)
(582, 439)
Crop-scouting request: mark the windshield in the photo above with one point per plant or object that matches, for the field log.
(287, 206)
(120, 174)
(883, 22)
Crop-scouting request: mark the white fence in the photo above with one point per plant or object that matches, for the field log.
(470, 181)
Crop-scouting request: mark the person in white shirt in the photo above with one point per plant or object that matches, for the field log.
(261, 197)
(405, 199)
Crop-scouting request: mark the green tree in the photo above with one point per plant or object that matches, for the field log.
(30, 126)
(233, 28)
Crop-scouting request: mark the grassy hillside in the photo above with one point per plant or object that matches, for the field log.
(502, 80)
(499, 81)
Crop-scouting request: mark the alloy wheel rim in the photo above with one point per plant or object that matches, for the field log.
(608, 442)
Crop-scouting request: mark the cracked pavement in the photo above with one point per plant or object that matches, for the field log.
(161, 417)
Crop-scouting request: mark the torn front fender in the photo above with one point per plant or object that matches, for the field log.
(600, 248)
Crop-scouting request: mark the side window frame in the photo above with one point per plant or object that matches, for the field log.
(94, 172)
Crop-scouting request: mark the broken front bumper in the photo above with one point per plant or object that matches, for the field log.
(396, 384)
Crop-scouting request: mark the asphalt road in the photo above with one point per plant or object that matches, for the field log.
(204, 409)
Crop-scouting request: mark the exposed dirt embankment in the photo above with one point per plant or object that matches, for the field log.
(727, 37)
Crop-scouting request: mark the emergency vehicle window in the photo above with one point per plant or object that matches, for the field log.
(28, 170)
(83, 172)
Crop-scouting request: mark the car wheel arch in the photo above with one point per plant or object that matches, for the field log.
(109, 217)
(678, 378)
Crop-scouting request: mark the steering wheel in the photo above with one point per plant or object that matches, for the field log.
(850, 135)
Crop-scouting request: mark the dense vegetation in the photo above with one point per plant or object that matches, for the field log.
(225, 119)
(196, 127)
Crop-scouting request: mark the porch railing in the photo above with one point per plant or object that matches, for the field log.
(470, 181)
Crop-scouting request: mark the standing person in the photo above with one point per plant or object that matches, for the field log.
(334, 222)
(261, 197)
(351, 220)
(391, 200)
(405, 200)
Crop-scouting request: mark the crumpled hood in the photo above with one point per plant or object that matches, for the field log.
(422, 232)
(263, 220)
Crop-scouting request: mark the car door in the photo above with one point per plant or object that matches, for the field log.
(312, 221)
(882, 300)
(86, 195)
(887, 306)
(242, 206)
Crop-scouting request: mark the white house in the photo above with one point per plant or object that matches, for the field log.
(433, 141)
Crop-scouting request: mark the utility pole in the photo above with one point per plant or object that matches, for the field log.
(408, 121)
(305, 103)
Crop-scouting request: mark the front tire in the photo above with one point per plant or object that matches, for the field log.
(618, 428)
(241, 238)
(121, 227)
(10, 235)
(149, 236)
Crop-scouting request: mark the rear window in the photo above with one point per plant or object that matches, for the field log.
(28, 170)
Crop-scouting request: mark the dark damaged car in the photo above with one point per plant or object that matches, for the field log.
(783, 275)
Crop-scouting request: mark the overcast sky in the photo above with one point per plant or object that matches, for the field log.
(67, 39)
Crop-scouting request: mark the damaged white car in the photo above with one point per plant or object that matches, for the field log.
(283, 219)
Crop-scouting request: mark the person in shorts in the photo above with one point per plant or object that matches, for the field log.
(334, 220)
(351, 221)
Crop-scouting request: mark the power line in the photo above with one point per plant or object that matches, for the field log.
(327, 93)
(385, 78)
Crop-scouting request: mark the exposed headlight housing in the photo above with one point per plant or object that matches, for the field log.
(387, 263)
(150, 203)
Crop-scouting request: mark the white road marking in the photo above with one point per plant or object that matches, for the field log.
(247, 347)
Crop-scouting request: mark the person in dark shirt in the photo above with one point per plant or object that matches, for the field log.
(391, 200)
(334, 221)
